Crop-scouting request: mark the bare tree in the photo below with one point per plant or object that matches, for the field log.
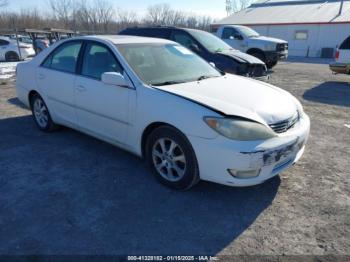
(62, 10)
(105, 13)
(159, 14)
(238, 5)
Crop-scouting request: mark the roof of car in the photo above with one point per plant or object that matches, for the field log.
(126, 39)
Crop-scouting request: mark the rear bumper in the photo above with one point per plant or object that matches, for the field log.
(340, 68)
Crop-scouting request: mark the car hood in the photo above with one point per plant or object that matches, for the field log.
(239, 96)
(240, 56)
(268, 39)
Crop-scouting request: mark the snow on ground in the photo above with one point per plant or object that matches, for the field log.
(7, 71)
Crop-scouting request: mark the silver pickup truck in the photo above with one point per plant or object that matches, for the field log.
(268, 49)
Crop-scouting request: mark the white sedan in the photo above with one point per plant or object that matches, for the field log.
(160, 101)
(10, 52)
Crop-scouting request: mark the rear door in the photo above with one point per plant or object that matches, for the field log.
(344, 52)
(102, 109)
(55, 79)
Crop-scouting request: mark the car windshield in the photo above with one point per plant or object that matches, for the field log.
(248, 32)
(209, 41)
(166, 64)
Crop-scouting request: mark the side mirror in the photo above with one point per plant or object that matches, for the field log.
(114, 78)
(195, 48)
(212, 64)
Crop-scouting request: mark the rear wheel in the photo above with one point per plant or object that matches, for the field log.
(11, 57)
(172, 159)
(41, 114)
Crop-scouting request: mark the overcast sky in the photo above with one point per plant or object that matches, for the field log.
(214, 8)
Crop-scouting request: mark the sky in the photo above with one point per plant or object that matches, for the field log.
(214, 8)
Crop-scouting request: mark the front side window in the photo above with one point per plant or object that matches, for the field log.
(229, 33)
(98, 60)
(166, 64)
(210, 41)
(64, 58)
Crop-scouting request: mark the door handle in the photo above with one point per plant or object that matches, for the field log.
(81, 88)
(41, 76)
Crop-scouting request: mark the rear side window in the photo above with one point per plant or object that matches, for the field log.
(64, 58)
(98, 59)
(345, 44)
(3, 42)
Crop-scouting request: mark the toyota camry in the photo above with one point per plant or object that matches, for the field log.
(162, 102)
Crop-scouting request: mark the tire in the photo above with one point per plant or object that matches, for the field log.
(11, 57)
(259, 55)
(41, 114)
(271, 64)
(172, 158)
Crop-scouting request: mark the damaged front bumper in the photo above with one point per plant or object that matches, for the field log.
(247, 163)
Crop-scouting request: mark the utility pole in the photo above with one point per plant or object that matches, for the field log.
(228, 7)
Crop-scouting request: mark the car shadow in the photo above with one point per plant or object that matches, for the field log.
(15, 101)
(332, 92)
(68, 193)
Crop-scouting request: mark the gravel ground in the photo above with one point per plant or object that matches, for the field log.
(67, 193)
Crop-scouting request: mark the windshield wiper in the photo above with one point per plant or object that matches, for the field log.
(203, 77)
(168, 83)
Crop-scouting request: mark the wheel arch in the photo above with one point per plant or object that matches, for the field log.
(30, 96)
(149, 129)
(255, 50)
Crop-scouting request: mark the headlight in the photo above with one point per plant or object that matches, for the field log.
(270, 47)
(238, 129)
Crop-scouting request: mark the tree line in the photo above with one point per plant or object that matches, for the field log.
(97, 16)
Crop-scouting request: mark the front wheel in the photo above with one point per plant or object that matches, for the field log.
(271, 64)
(172, 159)
(41, 114)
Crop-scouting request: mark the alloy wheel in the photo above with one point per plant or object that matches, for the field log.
(40, 113)
(169, 159)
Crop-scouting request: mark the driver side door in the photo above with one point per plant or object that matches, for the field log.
(102, 109)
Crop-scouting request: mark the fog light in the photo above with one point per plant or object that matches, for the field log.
(244, 173)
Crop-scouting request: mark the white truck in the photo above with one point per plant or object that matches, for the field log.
(268, 49)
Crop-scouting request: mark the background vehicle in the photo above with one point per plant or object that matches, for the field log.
(9, 50)
(342, 58)
(209, 47)
(245, 39)
(40, 44)
(159, 100)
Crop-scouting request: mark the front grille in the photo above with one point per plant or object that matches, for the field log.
(257, 70)
(282, 47)
(285, 125)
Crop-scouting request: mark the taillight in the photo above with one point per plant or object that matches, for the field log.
(337, 55)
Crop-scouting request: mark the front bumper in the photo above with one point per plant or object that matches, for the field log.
(340, 68)
(216, 156)
(276, 55)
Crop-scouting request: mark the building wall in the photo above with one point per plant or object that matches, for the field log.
(319, 36)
